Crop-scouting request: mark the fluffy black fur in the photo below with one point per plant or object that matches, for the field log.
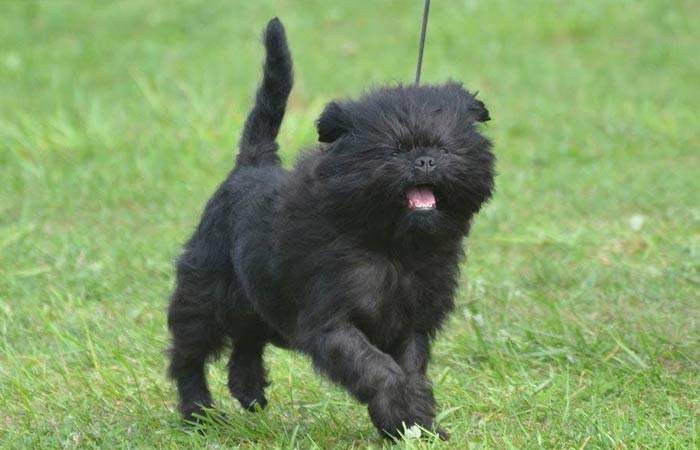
(328, 259)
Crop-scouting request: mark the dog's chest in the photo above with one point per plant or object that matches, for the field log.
(392, 304)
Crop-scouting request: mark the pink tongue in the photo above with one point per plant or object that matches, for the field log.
(421, 197)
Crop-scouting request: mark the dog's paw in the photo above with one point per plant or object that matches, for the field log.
(442, 434)
(415, 432)
(394, 413)
(203, 417)
(254, 404)
(194, 413)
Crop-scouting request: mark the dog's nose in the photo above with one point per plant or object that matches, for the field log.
(425, 163)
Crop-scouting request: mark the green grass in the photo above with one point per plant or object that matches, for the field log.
(578, 317)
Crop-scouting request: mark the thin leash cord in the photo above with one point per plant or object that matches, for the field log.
(422, 40)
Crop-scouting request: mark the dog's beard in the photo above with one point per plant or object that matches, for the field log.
(389, 211)
(428, 223)
(391, 205)
(425, 215)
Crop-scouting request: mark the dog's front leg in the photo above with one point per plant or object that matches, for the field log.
(345, 354)
(413, 356)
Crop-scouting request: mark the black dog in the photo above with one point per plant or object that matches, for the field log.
(351, 258)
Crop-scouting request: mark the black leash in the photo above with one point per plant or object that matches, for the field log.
(422, 40)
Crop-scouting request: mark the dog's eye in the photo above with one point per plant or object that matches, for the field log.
(394, 153)
(443, 150)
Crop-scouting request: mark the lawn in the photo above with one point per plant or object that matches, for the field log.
(578, 317)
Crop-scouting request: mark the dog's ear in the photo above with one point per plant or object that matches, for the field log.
(333, 123)
(478, 110)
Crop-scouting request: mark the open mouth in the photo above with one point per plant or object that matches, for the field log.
(421, 198)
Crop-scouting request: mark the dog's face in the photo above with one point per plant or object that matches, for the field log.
(407, 158)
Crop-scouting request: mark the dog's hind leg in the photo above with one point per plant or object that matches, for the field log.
(246, 372)
(195, 337)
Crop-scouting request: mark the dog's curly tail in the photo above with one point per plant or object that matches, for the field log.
(257, 144)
